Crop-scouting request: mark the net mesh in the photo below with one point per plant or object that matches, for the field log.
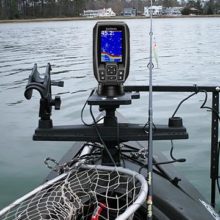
(86, 193)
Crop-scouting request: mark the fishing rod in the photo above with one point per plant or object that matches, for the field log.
(150, 123)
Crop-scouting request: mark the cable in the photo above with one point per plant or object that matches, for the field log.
(177, 108)
(203, 106)
(206, 107)
(99, 135)
(217, 114)
(169, 162)
(181, 160)
(118, 143)
(157, 171)
(133, 148)
(218, 184)
(83, 108)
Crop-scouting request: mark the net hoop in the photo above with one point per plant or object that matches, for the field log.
(130, 210)
(143, 192)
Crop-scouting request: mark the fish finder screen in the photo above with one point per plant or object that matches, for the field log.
(111, 46)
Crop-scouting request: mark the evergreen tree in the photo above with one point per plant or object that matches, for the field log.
(199, 6)
(209, 8)
(78, 7)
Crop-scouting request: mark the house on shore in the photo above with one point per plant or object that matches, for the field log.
(172, 11)
(105, 12)
(130, 12)
(155, 10)
(159, 10)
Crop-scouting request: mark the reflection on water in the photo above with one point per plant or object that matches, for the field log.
(188, 51)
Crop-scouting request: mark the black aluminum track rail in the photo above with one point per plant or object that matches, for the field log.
(167, 88)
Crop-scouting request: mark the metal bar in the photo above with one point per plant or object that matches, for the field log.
(128, 132)
(214, 146)
(161, 88)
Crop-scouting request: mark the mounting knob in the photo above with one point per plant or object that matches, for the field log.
(56, 102)
(175, 122)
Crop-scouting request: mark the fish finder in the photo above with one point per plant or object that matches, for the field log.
(111, 55)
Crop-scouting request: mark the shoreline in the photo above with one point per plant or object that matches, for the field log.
(100, 18)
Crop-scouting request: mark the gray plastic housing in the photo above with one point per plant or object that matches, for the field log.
(111, 73)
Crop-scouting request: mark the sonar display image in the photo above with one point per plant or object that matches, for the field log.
(111, 46)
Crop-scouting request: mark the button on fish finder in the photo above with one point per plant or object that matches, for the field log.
(111, 70)
(121, 72)
(102, 72)
(120, 75)
(111, 57)
(111, 78)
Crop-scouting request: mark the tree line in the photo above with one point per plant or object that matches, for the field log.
(206, 8)
(15, 9)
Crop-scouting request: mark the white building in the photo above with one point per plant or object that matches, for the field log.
(155, 10)
(131, 12)
(105, 12)
(172, 11)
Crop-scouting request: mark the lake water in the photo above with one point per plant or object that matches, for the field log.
(188, 53)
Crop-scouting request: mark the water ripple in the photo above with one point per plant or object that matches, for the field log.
(15, 103)
(79, 91)
(187, 55)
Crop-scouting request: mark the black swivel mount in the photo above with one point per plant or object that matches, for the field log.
(43, 86)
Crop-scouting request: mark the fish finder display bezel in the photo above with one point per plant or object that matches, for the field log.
(110, 72)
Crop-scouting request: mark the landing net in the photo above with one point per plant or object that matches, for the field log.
(88, 192)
